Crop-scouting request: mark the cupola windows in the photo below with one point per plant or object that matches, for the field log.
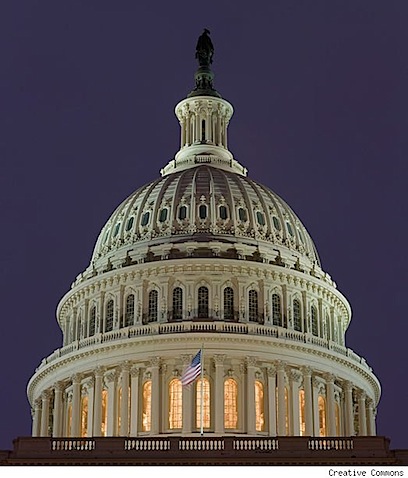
(223, 213)
(276, 223)
(289, 227)
(260, 218)
(228, 303)
(109, 316)
(177, 303)
(202, 311)
(163, 215)
(276, 310)
(129, 223)
(242, 214)
(202, 211)
(116, 230)
(253, 306)
(145, 219)
(182, 214)
(152, 314)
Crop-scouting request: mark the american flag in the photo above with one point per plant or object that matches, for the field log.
(192, 371)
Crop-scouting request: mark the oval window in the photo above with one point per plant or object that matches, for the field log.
(182, 213)
(202, 211)
(242, 214)
(223, 212)
(116, 230)
(260, 218)
(163, 215)
(145, 219)
(129, 223)
(276, 223)
(290, 230)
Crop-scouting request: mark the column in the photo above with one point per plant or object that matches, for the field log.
(307, 385)
(362, 418)
(45, 398)
(124, 404)
(218, 141)
(57, 413)
(331, 415)
(36, 418)
(349, 418)
(112, 418)
(189, 408)
(219, 394)
(183, 132)
(76, 404)
(250, 395)
(97, 408)
(295, 378)
(197, 126)
(134, 401)
(281, 399)
(316, 426)
(90, 385)
(271, 371)
(155, 370)
(371, 419)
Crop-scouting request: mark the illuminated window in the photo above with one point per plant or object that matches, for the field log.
(302, 419)
(315, 330)
(259, 406)
(92, 321)
(322, 416)
(297, 317)
(69, 419)
(253, 306)
(84, 416)
(147, 406)
(175, 404)
(153, 309)
(203, 302)
(276, 310)
(230, 403)
(337, 418)
(204, 397)
(130, 310)
(177, 303)
(109, 316)
(228, 303)
(104, 424)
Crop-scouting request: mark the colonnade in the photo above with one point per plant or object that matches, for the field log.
(273, 399)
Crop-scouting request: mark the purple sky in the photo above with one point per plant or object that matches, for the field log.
(87, 93)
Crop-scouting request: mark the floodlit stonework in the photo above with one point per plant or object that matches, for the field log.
(204, 257)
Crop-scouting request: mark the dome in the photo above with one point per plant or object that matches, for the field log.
(203, 259)
(223, 213)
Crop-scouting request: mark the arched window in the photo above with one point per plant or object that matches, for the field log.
(302, 417)
(253, 306)
(109, 316)
(202, 302)
(163, 215)
(322, 416)
(202, 211)
(315, 329)
(130, 310)
(84, 416)
(177, 303)
(230, 404)
(297, 316)
(203, 396)
(223, 212)
(92, 321)
(147, 406)
(104, 423)
(228, 303)
(276, 310)
(175, 404)
(153, 306)
(182, 213)
(259, 406)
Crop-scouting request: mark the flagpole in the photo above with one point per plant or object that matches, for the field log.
(202, 392)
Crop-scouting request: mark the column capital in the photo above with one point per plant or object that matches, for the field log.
(280, 366)
(37, 403)
(362, 395)
(59, 386)
(154, 361)
(135, 372)
(111, 376)
(271, 371)
(348, 386)
(126, 366)
(251, 361)
(329, 377)
(306, 370)
(295, 376)
(76, 378)
(99, 371)
(46, 395)
(219, 359)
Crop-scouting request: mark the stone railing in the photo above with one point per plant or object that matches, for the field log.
(256, 444)
(216, 326)
(72, 444)
(203, 444)
(331, 444)
(142, 444)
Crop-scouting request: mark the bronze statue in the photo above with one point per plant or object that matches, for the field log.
(204, 49)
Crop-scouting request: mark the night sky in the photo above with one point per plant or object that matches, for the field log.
(87, 96)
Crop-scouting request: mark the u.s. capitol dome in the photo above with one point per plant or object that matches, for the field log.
(204, 258)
